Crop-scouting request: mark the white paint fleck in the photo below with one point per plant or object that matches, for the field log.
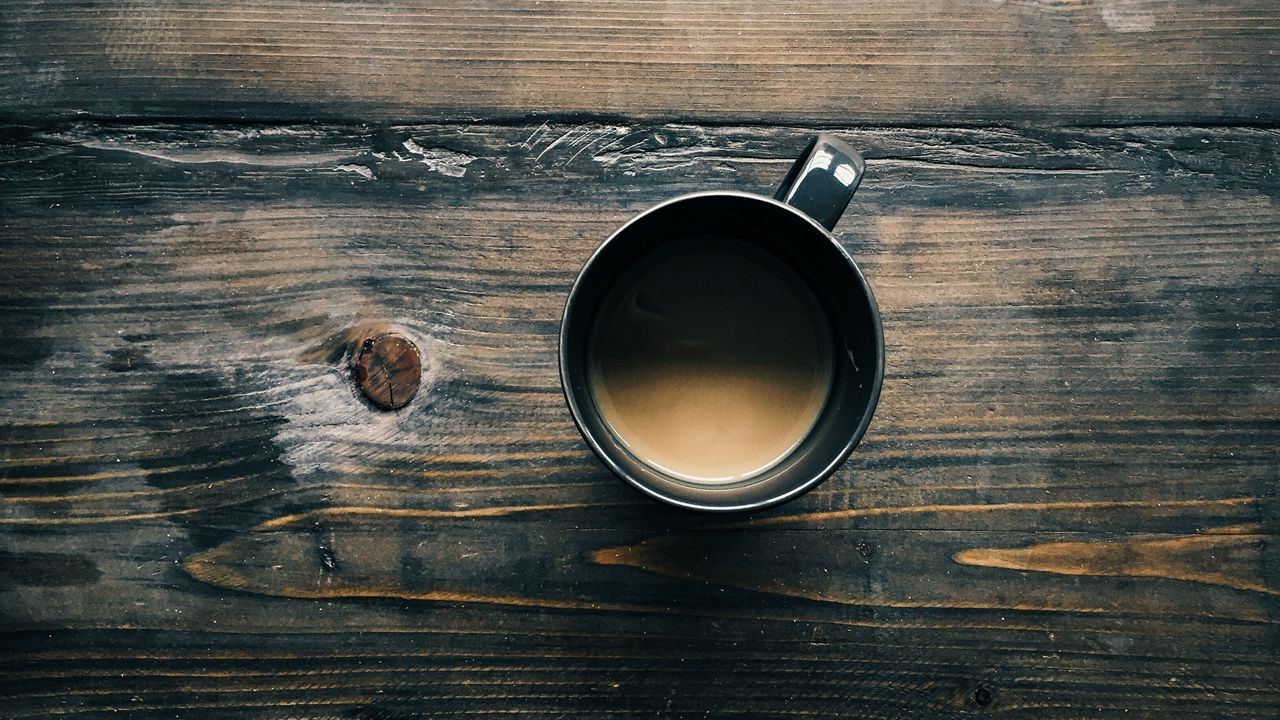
(360, 170)
(48, 75)
(1127, 17)
(442, 160)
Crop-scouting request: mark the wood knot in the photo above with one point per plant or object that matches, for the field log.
(982, 697)
(388, 369)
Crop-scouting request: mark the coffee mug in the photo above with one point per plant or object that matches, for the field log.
(721, 351)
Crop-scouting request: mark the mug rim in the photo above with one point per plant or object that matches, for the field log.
(864, 423)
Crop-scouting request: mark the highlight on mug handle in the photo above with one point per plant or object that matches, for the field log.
(822, 181)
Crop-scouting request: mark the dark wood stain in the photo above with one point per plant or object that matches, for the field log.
(1066, 506)
(46, 569)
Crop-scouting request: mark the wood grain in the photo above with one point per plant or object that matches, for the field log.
(1222, 558)
(820, 61)
(1065, 507)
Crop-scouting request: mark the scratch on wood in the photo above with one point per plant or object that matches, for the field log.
(582, 137)
(556, 142)
(604, 133)
(528, 142)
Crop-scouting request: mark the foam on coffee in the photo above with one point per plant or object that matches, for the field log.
(710, 360)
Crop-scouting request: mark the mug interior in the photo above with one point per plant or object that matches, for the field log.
(835, 281)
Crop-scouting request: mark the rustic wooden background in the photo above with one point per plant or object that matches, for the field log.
(1065, 508)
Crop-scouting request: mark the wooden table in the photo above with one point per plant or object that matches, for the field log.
(1065, 508)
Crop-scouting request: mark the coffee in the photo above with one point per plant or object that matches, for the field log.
(710, 360)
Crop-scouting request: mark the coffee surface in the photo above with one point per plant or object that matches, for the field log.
(710, 360)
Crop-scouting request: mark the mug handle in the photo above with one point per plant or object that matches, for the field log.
(822, 181)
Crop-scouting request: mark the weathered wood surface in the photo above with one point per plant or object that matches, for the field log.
(1066, 505)
(829, 61)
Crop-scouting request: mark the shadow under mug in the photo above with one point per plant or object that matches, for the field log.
(795, 227)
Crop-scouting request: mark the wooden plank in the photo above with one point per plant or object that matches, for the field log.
(548, 665)
(1069, 485)
(467, 556)
(811, 61)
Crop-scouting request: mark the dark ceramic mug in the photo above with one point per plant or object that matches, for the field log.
(795, 227)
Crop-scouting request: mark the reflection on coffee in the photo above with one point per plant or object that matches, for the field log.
(710, 360)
